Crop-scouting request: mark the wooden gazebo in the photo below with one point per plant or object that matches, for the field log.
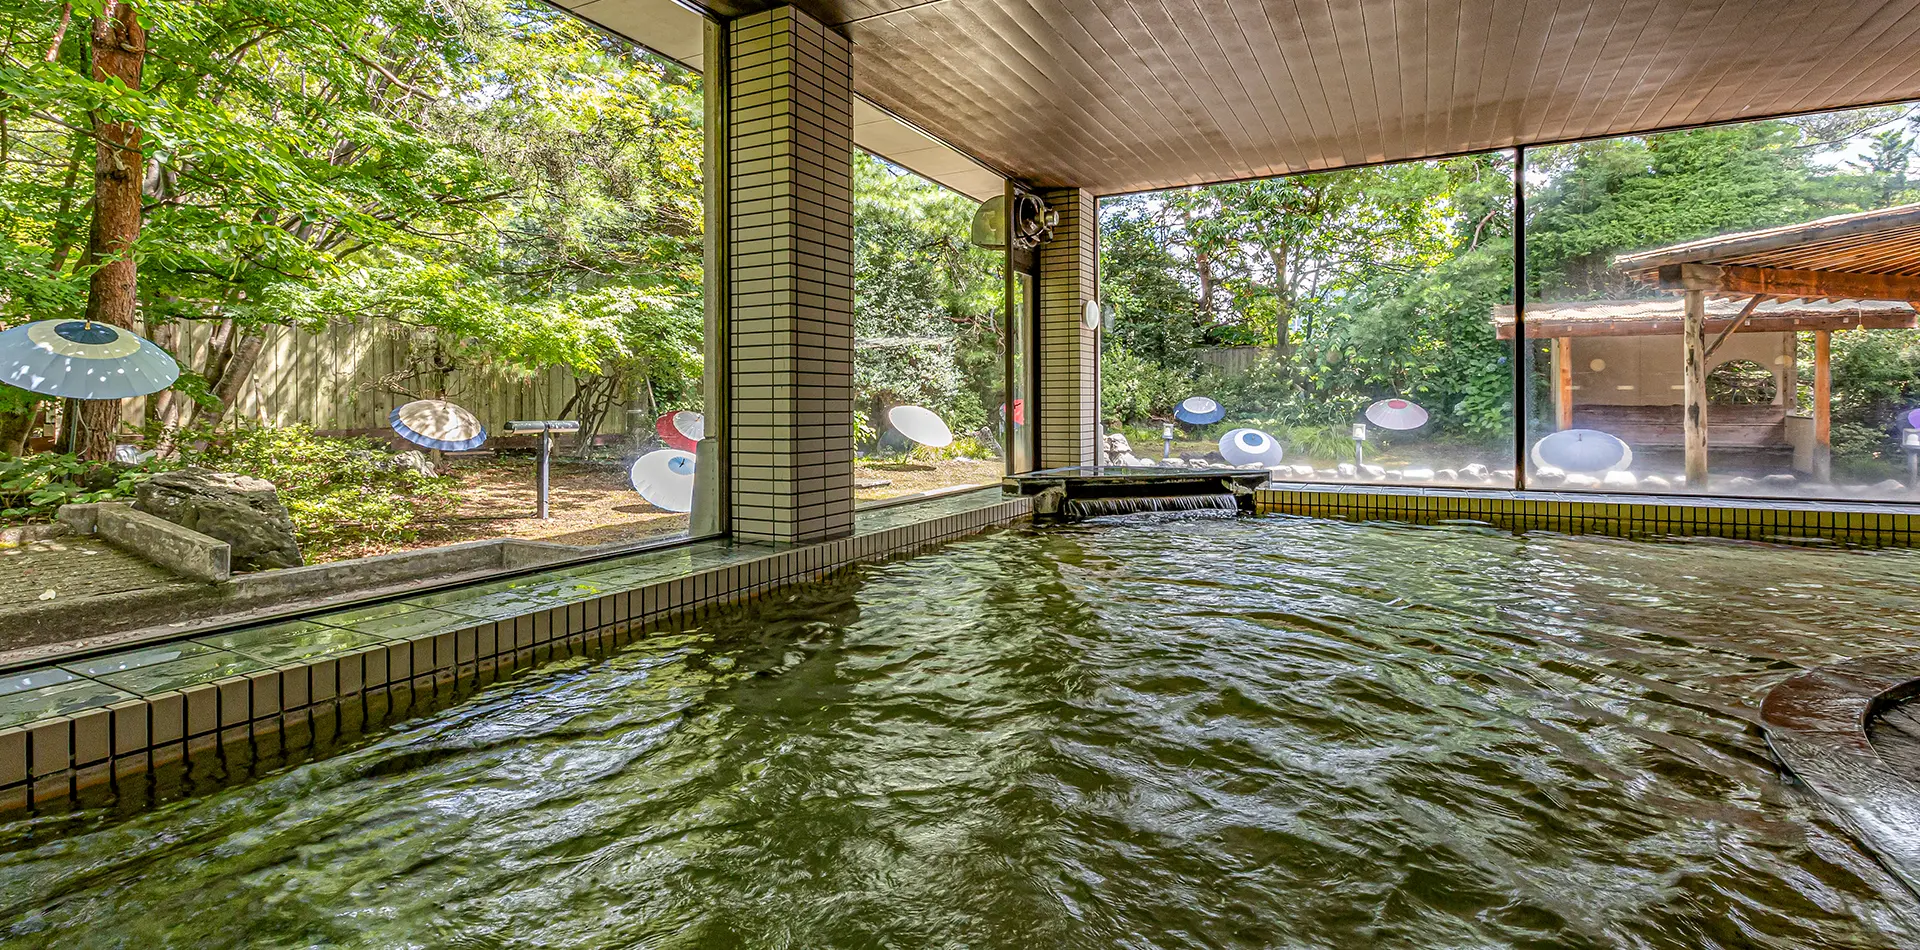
(1870, 260)
(1624, 380)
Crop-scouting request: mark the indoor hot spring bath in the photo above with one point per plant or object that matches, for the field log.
(1148, 732)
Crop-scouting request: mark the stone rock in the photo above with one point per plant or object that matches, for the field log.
(1474, 469)
(244, 512)
(1328, 473)
(1416, 474)
(1579, 480)
(1304, 471)
(1375, 472)
(1655, 483)
(1546, 478)
(1446, 475)
(1622, 480)
(1504, 475)
(1779, 481)
(1890, 486)
(1117, 444)
(1742, 483)
(1346, 470)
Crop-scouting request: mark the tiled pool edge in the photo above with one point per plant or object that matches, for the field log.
(1853, 523)
(51, 761)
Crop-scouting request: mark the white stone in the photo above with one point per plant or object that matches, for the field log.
(1446, 475)
(1741, 483)
(1889, 486)
(1624, 480)
(1475, 469)
(1374, 472)
(1780, 481)
(1345, 470)
(1579, 480)
(1303, 471)
(1547, 478)
(1655, 483)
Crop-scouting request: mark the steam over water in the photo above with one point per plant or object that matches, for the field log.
(1139, 733)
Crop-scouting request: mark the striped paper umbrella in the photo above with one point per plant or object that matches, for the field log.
(77, 359)
(438, 424)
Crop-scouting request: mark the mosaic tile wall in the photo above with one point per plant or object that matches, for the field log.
(1069, 402)
(111, 724)
(790, 332)
(1862, 525)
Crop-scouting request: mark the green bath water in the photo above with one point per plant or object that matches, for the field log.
(1140, 733)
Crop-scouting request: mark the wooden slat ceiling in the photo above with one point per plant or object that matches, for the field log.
(1127, 95)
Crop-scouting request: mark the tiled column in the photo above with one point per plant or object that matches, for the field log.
(1069, 396)
(790, 269)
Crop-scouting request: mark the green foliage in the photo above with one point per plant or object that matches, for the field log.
(32, 487)
(927, 304)
(494, 174)
(338, 491)
(1134, 389)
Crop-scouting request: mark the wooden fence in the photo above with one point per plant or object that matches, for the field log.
(332, 380)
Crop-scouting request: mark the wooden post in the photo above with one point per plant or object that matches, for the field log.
(1563, 388)
(1694, 377)
(1823, 405)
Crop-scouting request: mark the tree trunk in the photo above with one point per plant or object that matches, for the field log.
(119, 52)
(239, 369)
(14, 429)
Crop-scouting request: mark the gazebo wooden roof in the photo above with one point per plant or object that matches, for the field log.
(1666, 316)
(1870, 255)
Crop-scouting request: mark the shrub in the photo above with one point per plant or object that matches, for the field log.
(335, 489)
(32, 487)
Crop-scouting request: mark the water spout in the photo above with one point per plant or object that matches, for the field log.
(1077, 509)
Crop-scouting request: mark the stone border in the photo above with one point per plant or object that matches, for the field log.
(1618, 515)
(50, 762)
(1816, 724)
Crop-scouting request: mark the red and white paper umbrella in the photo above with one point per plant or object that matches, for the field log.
(681, 428)
(1396, 414)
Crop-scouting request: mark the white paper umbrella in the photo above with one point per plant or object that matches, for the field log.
(921, 425)
(1586, 451)
(438, 424)
(75, 359)
(681, 428)
(664, 478)
(1396, 414)
(1250, 447)
(1199, 411)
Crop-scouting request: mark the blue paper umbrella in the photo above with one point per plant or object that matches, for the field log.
(1250, 447)
(1199, 411)
(77, 359)
(438, 424)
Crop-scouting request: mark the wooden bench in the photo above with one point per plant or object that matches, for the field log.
(1734, 427)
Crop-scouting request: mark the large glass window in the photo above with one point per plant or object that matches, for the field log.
(364, 235)
(1684, 335)
(1329, 326)
(930, 338)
